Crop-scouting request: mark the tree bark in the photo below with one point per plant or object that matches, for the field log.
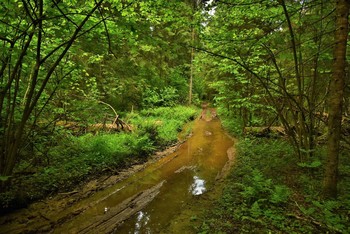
(335, 102)
(191, 71)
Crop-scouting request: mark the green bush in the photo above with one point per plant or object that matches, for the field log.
(163, 124)
(258, 189)
(167, 96)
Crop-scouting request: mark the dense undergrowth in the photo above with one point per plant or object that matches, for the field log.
(76, 158)
(269, 191)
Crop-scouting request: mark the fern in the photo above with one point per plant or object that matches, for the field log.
(313, 164)
(255, 210)
(280, 194)
(327, 213)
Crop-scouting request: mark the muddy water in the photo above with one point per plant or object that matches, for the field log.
(157, 199)
(191, 173)
(161, 191)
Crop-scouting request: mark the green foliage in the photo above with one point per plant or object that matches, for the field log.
(163, 124)
(275, 153)
(164, 97)
(80, 156)
(313, 164)
(255, 199)
(259, 189)
(230, 122)
(262, 199)
(327, 213)
(280, 194)
(53, 71)
(257, 78)
(4, 178)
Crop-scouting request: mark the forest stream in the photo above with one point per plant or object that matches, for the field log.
(165, 196)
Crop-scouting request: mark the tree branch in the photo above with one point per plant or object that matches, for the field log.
(63, 14)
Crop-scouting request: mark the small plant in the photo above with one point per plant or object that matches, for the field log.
(260, 195)
(313, 164)
(163, 124)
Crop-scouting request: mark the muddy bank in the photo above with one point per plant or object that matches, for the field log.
(44, 215)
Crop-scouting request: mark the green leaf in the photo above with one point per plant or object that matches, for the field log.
(4, 178)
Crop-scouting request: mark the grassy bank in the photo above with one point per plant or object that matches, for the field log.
(76, 158)
(268, 191)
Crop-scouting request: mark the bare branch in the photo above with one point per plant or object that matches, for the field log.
(27, 10)
(63, 14)
(115, 112)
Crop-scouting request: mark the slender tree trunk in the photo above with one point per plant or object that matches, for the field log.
(191, 72)
(335, 102)
(195, 4)
(301, 124)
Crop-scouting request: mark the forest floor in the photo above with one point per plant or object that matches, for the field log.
(46, 214)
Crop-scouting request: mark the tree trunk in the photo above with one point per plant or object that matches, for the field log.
(191, 72)
(335, 102)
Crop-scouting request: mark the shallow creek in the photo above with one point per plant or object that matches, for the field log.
(155, 199)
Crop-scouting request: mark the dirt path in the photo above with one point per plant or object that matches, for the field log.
(62, 213)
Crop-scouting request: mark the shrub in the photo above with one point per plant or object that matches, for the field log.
(167, 96)
(163, 124)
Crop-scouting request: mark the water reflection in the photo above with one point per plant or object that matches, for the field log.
(141, 222)
(198, 186)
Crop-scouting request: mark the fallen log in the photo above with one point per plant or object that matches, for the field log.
(112, 217)
(78, 128)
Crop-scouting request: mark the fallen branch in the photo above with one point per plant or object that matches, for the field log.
(117, 121)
